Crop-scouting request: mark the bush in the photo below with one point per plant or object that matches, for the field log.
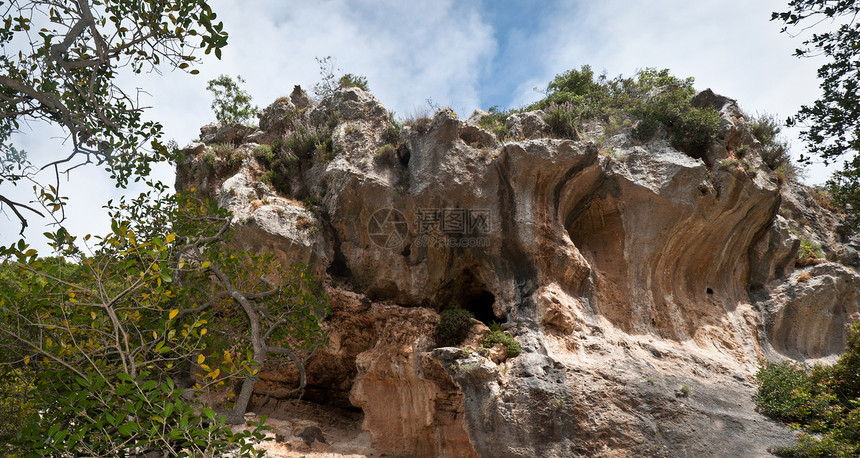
(15, 406)
(454, 326)
(824, 401)
(563, 119)
(287, 157)
(350, 80)
(779, 393)
(497, 336)
(386, 156)
(774, 149)
(495, 122)
(654, 98)
(810, 252)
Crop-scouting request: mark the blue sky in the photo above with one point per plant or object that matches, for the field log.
(464, 54)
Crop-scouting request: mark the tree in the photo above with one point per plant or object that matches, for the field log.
(60, 62)
(832, 123)
(124, 335)
(231, 104)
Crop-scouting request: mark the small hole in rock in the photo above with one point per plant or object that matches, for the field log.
(709, 291)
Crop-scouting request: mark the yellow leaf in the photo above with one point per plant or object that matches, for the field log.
(93, 315)
(200, 358)
(202, 332)
(205, 264)
(214, 374)
(170, 238)
(26, 360)
(49, 342)
(206, 368)
(173, 314)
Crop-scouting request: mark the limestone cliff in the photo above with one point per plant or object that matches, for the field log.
(644, 285)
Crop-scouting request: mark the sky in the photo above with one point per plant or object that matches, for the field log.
(466, 54)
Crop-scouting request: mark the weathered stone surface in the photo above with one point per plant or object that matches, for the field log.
(642, 285)
(527, 125)
(807, 316)
(410, 403)
(220, 133)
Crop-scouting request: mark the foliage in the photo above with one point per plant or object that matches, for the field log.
(774, 149)
(329, 82)
(653, 97)
(495, 121)
(810, 252)
(823, 401)
(15, 408)
(386, 156)
(453, 327)
(350, 80)
(231, 104)
(497, 336)
(136, 325)
(563, 119)
(844, 187)
(289, 156)
(60, 63)
(832, 123)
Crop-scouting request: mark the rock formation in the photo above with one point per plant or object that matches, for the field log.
(643, 285)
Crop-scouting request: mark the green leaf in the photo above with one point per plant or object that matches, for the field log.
(125, 429)
(208, 412)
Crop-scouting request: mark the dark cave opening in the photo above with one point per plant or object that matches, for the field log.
(480, 304)
(467, 291)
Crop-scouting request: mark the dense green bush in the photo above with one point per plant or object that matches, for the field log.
(822, 401)
(350, 80)
(653, 98)
(453, 327)
(563, 119)
(497, 336)
(15, 405)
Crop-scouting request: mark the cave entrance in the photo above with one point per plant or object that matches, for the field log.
(469, 293)
(480, 304)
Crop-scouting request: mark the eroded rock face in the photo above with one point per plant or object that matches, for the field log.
(642, 284)
(807, 316)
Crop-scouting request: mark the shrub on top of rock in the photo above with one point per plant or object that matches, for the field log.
(453, 327)
(497, 336)
(654, 98)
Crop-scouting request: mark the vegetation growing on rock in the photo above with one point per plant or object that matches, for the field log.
(653, 98)
(453, 327)
(822, 401)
